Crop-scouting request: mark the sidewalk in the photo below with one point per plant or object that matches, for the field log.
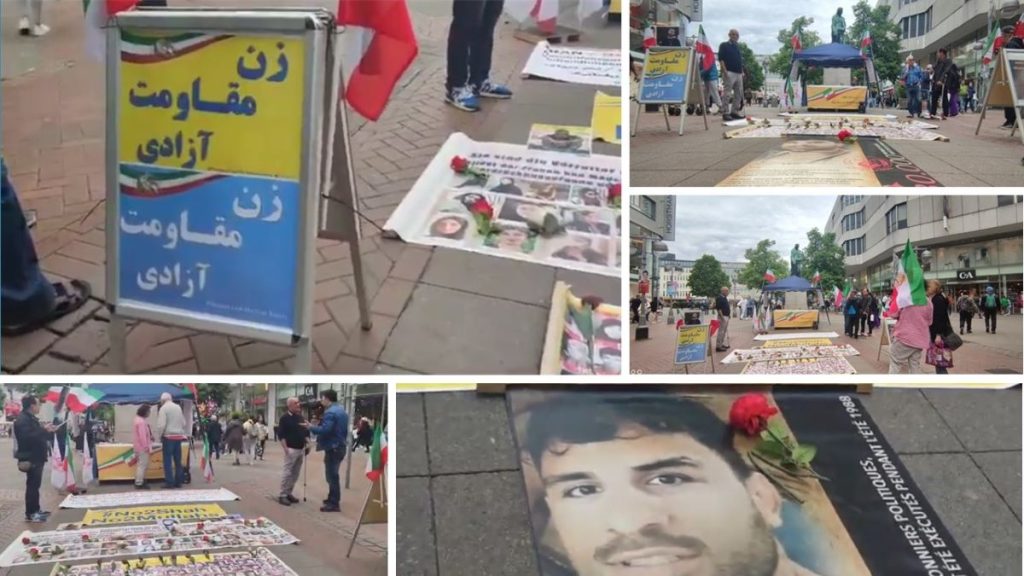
(324, 537)
(462, 505)
(981, 353)
(434, 310)
(704, 158)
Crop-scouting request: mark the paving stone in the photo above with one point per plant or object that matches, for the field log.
(48, 365)
(65, 324)
(1003, 470)
(412, 435)
(961, 495)
(969, 413)
(462, 423)
(496, 277)
(369, 343)
(411, 263)
(161, 355)
(475, 512)
(89, 342)
(19, 351)
(444, 331)
(350, 365)
(328, 340)
(392, 297)
(260, 353)
(214, 354)
(414, 532)
(909, 422)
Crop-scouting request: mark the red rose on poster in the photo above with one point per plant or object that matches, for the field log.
(750, 414)
(26, 540)
(846, 136)
(482, 208)
(85, 537)
(460, 164)
(615, 195)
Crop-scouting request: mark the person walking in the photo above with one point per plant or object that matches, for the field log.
(470, 47)
(31, 22)
(332, 440)
(249, 439)
(1004, 301)
(940, 325)
(261, 436)
(990, 309)
(293, 437)
(234, 437)
(866, 302)
(731, 59)
(852, 310)
(722, 308)
(31, 438)
(710, 79)
(910, 338)
(142, 441)
(967, 308)
(214, 435)
(170, 427)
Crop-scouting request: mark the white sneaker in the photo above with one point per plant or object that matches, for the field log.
(40, 30)
(24, 28)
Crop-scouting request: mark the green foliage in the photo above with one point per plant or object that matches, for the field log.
(760, 259)
(707, 277)
(824, 255)
(219, 393)
(755, 74)
(885, 37)
(781, 62)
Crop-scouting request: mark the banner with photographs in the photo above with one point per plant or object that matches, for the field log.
(141, 498)
(166, 537)
(259, 561)
(528, 191)
(140, 514)
(582, 338)
(622, 480)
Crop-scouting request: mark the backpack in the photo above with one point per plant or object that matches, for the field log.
(990, 301)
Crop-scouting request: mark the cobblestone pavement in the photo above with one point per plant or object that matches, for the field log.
(324, 537)
(981, 353)
(992, 158)
(462, 507)
(428, 305)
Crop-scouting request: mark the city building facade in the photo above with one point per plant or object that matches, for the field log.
(652, 222)
(675, 276)
(966, 242)
(270, 400)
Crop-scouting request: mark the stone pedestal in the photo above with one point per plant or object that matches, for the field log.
(837, 77)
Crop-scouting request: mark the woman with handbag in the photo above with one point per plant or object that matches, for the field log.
(940, 330)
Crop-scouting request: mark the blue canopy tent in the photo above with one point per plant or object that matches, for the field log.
(835, 56)
(139, 393)
(793, 284)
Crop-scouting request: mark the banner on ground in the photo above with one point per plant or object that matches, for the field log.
(524, 187)
(260, 561)
(139, 514)
(138, 498)
(580, 339)
(812, 366)
(711, 493)
(789, 352)
(575, 65)
(815, 162)
(134, 541)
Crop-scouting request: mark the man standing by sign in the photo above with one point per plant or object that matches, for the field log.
(732, 74)
(170, 425)
(722, 307)
(331, 439)
(293, 439)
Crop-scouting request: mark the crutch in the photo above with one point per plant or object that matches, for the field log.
(304, 454)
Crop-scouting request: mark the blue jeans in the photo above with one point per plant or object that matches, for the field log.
(914, 100)
(25, 294)
(332, 464)
(172, 455)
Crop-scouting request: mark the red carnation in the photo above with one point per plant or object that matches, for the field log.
(750, 414)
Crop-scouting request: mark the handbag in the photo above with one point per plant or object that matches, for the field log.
(24, 466)
(952, 340)
(939, 356)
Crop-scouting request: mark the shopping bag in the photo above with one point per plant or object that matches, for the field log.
(939, 356)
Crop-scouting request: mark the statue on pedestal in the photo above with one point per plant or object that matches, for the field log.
(795, 258)
(838, 27)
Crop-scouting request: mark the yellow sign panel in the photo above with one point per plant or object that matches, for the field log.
(209, 102)
(606, 120)
(836, 97)
(692, 335)
(433, 387)
(141, 514)
(116, 462)
(797, 342)
(795, 318)
(668, 62)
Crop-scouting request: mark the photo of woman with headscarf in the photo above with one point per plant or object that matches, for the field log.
(507, 186)
(582, 249)
(511, 238)
(450, 226)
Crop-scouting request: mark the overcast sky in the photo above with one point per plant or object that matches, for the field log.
(759, 21)
(725, 226)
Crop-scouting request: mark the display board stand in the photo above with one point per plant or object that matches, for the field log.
(694, 338)
(182, 156)
(667, 80)
(375, 507)
(1006, 88)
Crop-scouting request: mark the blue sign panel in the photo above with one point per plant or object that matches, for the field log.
(664, 79)
(692, 344)
(208, 243)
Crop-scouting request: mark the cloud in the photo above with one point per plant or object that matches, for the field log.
(726, 226)
(759, 22)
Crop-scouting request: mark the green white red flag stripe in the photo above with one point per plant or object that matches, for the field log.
(705, 50)
(990, 46)
(769, 276)
(97, 14)
(908, 287)
(378, 455)
(78, 400)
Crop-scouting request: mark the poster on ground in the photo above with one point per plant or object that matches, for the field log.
(135, 541)
(140, 514)
(138, 497)
(619, 480)
(581, 340)
(666, 74)
(575, 65)
(788, 353)
(260, 561)
(810, 366)
(207, 201)
(524, 188)
(825, 161)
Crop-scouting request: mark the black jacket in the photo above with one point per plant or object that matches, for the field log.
(940, 316)
(32, 438)
(941, 70)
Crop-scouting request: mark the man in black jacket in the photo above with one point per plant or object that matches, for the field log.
(32, 437)
(939, 84)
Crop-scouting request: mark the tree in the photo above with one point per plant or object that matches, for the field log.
(707, 277)
(825, 256)
(219, 393)
(754, 80)
(3, 396)
(885, 40)
(782, 61)
(759, 260)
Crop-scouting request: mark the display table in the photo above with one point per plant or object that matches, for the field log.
(848, 98)
(795, 319)
(113, 461)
